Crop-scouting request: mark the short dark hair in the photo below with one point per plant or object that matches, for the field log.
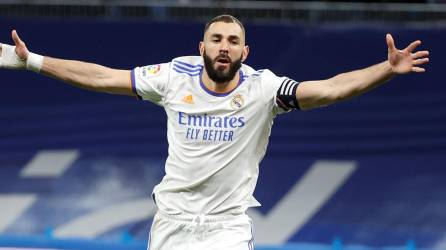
(224, 19)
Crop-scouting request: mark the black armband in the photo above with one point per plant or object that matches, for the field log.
(286, 95)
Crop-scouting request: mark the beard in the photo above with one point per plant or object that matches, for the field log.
(220, 76)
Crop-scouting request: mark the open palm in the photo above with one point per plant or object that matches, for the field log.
(406, 60)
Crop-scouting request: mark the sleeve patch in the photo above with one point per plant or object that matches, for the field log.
(151, 70)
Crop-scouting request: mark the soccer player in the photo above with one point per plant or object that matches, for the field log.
(219, 117)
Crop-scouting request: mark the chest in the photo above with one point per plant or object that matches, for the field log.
(191, 98)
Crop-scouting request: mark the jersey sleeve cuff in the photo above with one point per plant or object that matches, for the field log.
(133, 80)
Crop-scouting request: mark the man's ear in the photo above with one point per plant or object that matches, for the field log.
(201, 48)
(245, 53)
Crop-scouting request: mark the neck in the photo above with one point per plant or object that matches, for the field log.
(220, 87)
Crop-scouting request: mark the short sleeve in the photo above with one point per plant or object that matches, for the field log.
(150, 82)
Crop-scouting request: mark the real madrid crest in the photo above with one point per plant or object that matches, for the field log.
(237, 101)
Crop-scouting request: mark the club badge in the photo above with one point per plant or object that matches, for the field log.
(237, 101)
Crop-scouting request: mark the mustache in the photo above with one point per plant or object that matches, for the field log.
(223, 57)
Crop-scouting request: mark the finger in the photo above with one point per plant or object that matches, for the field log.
(418, 69)
(421, 61)
(419, 54)
(16, 38)
(413, 45)
(390, 42)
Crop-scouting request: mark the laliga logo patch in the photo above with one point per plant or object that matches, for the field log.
(151, 70)
(237, 101)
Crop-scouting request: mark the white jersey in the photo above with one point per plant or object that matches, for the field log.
(216, 141)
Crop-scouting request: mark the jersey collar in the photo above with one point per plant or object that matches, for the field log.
(240, 81)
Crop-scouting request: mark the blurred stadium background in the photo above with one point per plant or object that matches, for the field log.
(77, 168)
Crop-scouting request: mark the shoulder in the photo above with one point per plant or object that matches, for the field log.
(190, 60)
(266, 81)
(261, 75)
(187, 65)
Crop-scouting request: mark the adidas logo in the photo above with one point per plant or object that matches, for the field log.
(188, 99)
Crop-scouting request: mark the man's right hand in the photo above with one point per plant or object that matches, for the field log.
(14, 57)
(20, 47)
(77, 73)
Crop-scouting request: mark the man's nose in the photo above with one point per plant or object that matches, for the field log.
(224, 46)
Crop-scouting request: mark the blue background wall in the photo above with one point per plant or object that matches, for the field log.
(396, 134)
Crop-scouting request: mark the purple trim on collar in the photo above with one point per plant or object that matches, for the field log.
(240, 81)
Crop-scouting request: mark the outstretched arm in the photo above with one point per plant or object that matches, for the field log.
(80, 74)
(313, 94)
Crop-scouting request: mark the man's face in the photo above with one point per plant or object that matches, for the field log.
(223, 50)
